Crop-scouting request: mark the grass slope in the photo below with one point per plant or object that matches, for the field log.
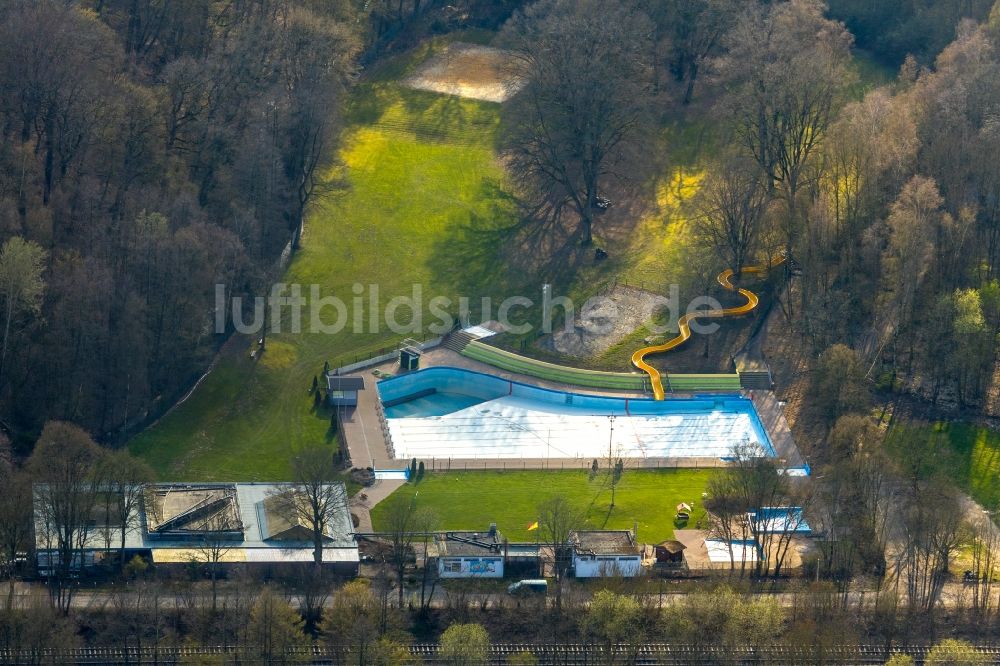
(418, 168)
(471, 500)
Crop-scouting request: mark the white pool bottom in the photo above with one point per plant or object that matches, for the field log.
(511, 427)
(390, 474)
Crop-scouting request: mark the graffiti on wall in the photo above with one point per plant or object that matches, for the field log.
(482, 566)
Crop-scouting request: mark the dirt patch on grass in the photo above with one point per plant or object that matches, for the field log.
(606, 322)
(468, 70)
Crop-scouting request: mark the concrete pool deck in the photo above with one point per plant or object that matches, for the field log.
(366, 433)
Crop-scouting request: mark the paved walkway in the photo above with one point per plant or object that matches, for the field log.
(772, 416)
(513, 464)
(364, 433)
(373, 495)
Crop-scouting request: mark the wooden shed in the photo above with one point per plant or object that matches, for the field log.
(669, 552)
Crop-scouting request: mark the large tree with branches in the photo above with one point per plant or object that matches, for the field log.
(316, 497)
(785, 71)
(583, 64)
(731, 209)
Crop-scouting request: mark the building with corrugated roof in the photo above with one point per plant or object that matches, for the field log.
(223, 522)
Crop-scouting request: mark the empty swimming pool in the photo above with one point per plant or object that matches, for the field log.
(446, 412)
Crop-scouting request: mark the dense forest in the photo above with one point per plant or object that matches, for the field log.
(899, 247)
(894, 30)
(150, 150)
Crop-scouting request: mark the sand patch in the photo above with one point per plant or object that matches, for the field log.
(606, 323)
(468, 70)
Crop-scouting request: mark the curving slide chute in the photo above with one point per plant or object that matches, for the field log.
(684, 323)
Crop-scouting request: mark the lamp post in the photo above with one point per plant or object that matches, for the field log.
(611, 459)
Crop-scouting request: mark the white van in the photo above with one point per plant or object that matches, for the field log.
(529, 586)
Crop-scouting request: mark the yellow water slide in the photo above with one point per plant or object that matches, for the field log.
(684, 323)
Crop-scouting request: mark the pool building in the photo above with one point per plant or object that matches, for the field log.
(177, 524)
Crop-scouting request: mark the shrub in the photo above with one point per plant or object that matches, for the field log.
(952, 652)
(465, 645)
(525, 658)
(900, 659)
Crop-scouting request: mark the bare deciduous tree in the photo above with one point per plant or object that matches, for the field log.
(727, 515)
(213, 545)
(405, 521)
(692, 31)
(316, 496)
(756, 494)
(931, 533)
(64, 468)
(583, 64)
(556, 520)
(15, 522)
(731, 209)
(984, 542)
(786, 68)
(123, 479)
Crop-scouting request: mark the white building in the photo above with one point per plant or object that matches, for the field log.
(469, 554)
(600, 553)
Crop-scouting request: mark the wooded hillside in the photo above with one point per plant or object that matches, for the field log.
(149, 151)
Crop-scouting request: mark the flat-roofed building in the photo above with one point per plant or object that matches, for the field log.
(598, 553)
(175, 511)
(469, 554)
(229, 523)
(343, 391)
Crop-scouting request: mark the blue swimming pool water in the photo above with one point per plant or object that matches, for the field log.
(441, 390)
(452, 412)
(781, 519)
(438, 403)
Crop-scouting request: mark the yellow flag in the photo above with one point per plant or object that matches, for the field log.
(533, 526)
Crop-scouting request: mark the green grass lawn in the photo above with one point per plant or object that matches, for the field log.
(966, 453)
(424, 201)
(472, 500)
(419, 170)
(870, 73)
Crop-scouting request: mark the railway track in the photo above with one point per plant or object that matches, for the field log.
(565, 654)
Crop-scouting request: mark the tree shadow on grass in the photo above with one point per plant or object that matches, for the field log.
(471, 257)
(506, 251)
(365, 106)
(437, 117)
(607, 517)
